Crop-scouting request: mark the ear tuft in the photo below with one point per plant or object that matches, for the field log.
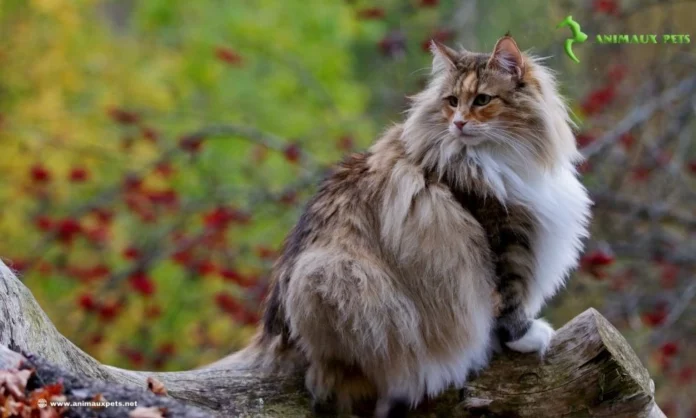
(507, 57)
(443, 56)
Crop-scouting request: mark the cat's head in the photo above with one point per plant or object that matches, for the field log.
(504, 102)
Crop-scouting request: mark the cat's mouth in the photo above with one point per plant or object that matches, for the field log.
(470, 138)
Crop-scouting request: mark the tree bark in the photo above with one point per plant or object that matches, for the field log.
(589, 370)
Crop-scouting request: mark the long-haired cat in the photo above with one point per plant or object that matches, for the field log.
(415, 258)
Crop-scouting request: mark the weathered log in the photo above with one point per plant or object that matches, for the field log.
(82, 389)
(589, 370)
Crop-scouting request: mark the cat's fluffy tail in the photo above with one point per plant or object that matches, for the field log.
(265, 352)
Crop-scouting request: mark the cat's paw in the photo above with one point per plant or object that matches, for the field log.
(536, 339)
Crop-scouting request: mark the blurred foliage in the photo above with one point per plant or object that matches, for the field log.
(156, 153)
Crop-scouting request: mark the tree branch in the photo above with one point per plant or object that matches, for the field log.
(640, 114)
(590, 370)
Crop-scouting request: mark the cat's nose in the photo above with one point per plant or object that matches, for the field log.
(459, 124)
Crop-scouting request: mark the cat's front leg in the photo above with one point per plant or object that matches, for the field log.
(536, 339)
(513, 326)
(515, 329)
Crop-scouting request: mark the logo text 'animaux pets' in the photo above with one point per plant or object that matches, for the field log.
(578, 36)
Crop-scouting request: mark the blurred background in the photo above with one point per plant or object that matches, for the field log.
(155, 154)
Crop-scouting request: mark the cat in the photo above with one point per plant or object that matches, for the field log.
(418, 257)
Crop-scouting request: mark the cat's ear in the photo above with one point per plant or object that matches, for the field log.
(443, 56)
(507, 57)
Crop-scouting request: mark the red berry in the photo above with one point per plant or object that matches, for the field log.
(136, 357)
(428, 3)
(345, 143)
(266, 253)
(167, 197)
(227, 303)
(182, 257)
(669, 348)
(441, 35)
(142, 283)
(109, 311)
(96, 339)
(40, 174)
(97, 235)
(165, 169)
(191, 143)
(246, 317)
(248, 281)
(206, 268)
(598, 100)
(132, 183)
(292, 153)
(131, 253)
(627, 140)
(668, 276)
(228, 55)
(371, 13)
(222, 216)
(609, 7)
(288, 197)
(686, 375)
(691, 166)
(44, 223)
(87, 302)
(597, 258)
(123, 116)
(104, 216)
(67, 229)
(78, 175)
(597, 273)
(218, 218)
(97, 272)
(656, 317)
(153, 312)
(641, 174)
(584, 139)
(18, 265)
(231, 275)
(593, 262)
(166, 349)
(149, 133)
(237, 278)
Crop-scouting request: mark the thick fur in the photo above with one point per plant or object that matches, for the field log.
(413, 255)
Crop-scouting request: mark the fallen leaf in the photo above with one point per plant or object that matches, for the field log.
(15, 381)
(98, 398)
(11, 408)
(156, 387)
(147, 412)
(47, 393)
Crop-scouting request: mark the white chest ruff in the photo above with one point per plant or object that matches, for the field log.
(561, 206)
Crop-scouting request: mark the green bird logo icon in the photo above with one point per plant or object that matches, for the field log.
(578, 36)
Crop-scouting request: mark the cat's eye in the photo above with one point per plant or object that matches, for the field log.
(482, 100)
(453, 101)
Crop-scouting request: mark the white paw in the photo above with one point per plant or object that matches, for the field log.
(536, 339)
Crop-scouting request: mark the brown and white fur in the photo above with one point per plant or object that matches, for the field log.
(415, 258)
